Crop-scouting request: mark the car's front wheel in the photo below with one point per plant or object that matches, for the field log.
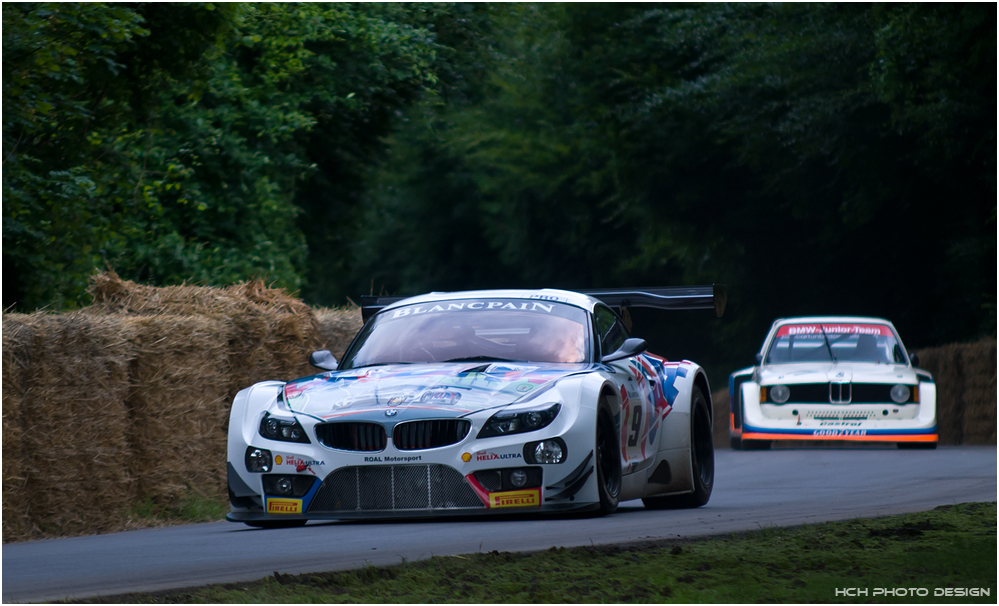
(608, 463)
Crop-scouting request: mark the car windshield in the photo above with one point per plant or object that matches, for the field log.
(473, 330)
(873, 343)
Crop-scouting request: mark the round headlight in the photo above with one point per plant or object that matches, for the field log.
(271, 427)
(258, 460)
(518, 477)
(548, 451)
(283, 486)
(532, 419)
(900, 393)
(780, 393)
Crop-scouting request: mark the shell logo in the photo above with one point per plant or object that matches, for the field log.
(466, 457)
(278, 459)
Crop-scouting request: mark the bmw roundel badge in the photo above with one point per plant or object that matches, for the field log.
(391, 412)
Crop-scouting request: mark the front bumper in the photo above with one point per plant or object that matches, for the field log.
(850, 434)
(468, 478)
(870, 422)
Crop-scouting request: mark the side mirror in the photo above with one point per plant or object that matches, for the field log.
(759, 359)
(323, 359)
(630, 347)
(914, 359)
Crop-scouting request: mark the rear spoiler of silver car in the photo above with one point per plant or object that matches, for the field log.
(372, 304)
(662, 297)
(665, 297)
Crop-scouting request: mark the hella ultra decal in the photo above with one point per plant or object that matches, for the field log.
(284, 505)
(485, 455)
(516, 498)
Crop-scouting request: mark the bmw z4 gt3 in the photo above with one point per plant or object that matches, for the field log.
(478, 402)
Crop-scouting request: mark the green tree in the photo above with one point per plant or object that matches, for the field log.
(798, 153)
(181, 142)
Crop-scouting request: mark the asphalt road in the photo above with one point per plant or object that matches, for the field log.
(782, 487)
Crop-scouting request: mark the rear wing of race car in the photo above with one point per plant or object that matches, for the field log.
(662, 297)
(372, 304)
(665, 297)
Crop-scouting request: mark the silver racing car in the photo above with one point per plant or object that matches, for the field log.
(479, 402)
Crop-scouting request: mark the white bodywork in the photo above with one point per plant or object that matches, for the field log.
(648, 399)
(837, 414)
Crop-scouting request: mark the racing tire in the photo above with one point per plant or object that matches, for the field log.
(276, 523)
(917, 445)
(608, 464)
(702, 460)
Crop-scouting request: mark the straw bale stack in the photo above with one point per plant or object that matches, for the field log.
(965, 374)
(337, 327)
(720, 420)
(271, 333)
(112, 294)
(17, 339)
(128, 399)
(980, 393)
(74, 445)
(179, 404)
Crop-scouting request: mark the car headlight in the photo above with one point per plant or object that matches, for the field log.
(780, 393)
(505, 422)
(287, 485)
(900, 393)
(257, 460)
(552, 450)
(284, 430)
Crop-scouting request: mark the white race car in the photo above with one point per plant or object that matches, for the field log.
(833, 378)
(492, 401)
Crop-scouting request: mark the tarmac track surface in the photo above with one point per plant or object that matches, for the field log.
(782, 487)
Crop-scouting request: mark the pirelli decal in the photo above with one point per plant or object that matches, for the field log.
(516, 498)
(284, 505)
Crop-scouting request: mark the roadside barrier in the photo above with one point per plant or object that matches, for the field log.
(127, 401)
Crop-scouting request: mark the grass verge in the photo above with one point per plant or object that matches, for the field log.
(191, 508)
(952, 547)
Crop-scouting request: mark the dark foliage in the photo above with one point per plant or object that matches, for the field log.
(817, 158)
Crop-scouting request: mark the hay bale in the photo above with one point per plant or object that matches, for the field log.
(946, 366)
(272, 332)
(17, 340)
(112, 294)
(965, 374)
(75, 446)
(179, 403)
(337, 327)
(980, 392)
(720, 413)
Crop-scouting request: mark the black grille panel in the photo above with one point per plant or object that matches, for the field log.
(853, 393)
(420, 435)
(358, 437)
(394, 488)
(876, 393)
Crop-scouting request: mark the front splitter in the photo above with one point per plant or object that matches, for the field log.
(242, 516)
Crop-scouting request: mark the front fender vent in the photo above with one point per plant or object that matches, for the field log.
(352, 436)
(421, 435)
